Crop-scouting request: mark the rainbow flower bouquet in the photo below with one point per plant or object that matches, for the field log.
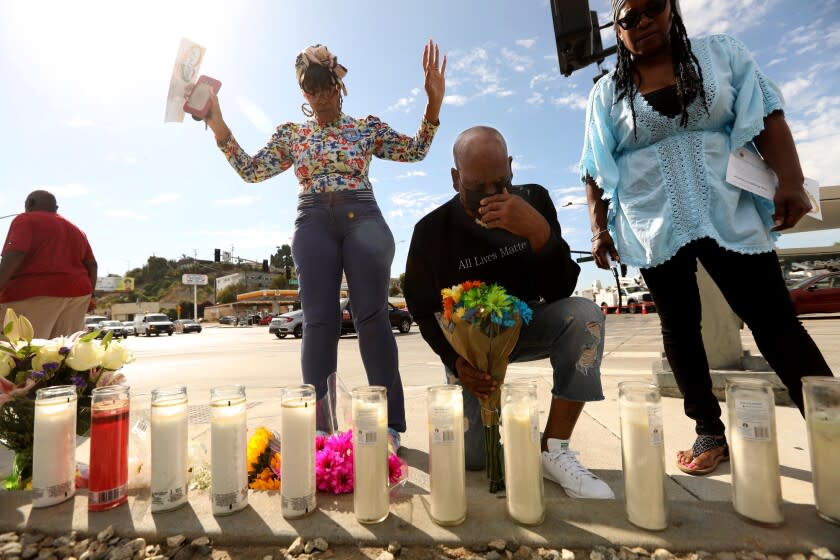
(482, 323)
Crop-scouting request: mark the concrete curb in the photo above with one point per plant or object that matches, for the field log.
(710, 526)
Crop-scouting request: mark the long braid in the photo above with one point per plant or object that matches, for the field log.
(687, 72)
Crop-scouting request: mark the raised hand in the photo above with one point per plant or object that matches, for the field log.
(435, 80)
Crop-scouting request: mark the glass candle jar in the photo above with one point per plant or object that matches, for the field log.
(445, 408)
(643, 454)
(822, 416)
(756, 484)
(522, 452)
(169, 435)
(54, 446)
(370, 454)
(108, 483)
(297, 438)
(228, 449)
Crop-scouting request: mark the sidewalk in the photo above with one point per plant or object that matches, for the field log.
(701, 516)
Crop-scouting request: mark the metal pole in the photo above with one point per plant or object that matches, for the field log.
(195, 302)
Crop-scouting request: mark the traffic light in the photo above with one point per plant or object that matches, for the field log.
(217, 255)
(265, 265)
(577, 35)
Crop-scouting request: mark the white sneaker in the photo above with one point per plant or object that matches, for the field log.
(562, 466)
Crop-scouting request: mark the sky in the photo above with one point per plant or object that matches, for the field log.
(84, 88)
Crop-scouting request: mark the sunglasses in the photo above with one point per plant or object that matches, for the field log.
(632, 18)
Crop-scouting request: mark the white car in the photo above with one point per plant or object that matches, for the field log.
(128, 328)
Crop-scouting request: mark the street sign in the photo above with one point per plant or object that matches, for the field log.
(194, 279)
(293, 282)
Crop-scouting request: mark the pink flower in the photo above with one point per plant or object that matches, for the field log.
(320, 441)
(397, 470)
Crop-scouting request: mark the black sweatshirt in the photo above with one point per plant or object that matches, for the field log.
(448, 247)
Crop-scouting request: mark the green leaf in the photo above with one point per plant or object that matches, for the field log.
(107, 338)
(8, 350)
(90, 336)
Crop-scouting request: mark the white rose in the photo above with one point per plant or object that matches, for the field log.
(48, 354)
(84, 355)
(116, 356)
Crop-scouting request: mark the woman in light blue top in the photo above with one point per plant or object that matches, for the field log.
(659, 131)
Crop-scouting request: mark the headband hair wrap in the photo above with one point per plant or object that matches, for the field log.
(321, 55)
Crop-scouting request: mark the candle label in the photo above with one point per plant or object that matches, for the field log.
(655, 426)
(230, 500)
(107, 496)
(367, 426)
(62, 490)
(753, 418)
(140, 426)
(169, 497)
(443, 432)
(304, 504)
(535, 432)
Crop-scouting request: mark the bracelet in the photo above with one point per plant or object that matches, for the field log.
(597, 235)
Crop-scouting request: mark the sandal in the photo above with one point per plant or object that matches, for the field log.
(702, 444)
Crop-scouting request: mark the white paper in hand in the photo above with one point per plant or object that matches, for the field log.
(746, 170)
(185, 71)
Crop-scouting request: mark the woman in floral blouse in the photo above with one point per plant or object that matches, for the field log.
(339, 225)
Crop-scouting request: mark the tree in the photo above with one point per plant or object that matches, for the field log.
(228, 295)
(283, 258)
(402, 282)
(395, 290)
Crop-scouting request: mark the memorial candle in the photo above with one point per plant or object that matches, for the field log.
(822, 416)
(169, 448)
(370, 454)
(108, 482)
(297, 438)
(228, 450)
(447, 475)
(54, 446)
(523, 458)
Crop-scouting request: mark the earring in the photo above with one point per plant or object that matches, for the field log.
(340, 103)
(306, 109)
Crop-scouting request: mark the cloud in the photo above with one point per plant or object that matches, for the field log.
(408, 174)
(571, 202)
(518, 165)
(544, 77)
(78, 122)
(791, 89)
(817, 136)
(415, 204)
(255, 115)
(776, 61)
(567, 190)
(705, 17)
(70, 190)
(237, 201)
(165, 197)
(572, 101)
(516, 62)
(127, 215)
(404, 104)
(455, 99)
(526, 43)
(536, 99)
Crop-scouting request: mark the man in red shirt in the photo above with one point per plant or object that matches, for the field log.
(48, 271)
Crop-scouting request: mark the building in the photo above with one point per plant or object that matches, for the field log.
(250, 280)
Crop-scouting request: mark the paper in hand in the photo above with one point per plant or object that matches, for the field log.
(185, 71)
(746, 170)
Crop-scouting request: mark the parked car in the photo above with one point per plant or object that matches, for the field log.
(128, 328)
(400, 318)
(114, 327)
(266, 319)
(287, 323)
(152, 324)
(228, 320)
(187, 326)
(817, 294)
(92, 322)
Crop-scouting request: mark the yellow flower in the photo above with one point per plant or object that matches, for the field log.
(459, 313)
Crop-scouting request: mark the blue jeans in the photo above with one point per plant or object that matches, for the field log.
(570, 333)
(346, 231)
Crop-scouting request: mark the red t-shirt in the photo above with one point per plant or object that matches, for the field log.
(53, 263)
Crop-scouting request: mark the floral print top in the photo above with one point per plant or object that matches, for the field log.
(332, 157)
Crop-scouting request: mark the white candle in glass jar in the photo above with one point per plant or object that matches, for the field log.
(756, 483)
(446, 455)
(54, 446)
(370, 461)
(228, 456)
(297, 437)
(824, 438)
(169, 438)
(523, 464)
(643, 464)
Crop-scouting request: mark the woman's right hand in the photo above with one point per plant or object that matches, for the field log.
(214, 114)
(603, 249)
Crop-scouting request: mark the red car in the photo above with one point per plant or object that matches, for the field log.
(817, 294)
(267, 319)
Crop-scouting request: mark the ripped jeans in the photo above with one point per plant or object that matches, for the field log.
(570, 333)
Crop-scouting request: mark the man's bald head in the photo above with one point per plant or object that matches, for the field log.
(479, 142)
(40, 201)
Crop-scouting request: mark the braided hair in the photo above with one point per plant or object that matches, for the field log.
(687, 71)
